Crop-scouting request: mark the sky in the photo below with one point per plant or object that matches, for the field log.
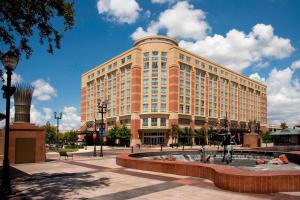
(258, 38)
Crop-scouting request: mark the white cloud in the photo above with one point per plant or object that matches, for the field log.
(180, 21)
(262, 65)
(163, 1)
(296, 65)
(40, 117)
(257, 77)
(15, 79)
(283, 96)
(70, 119)
(121, 11)
(43, 91)
(238, 50)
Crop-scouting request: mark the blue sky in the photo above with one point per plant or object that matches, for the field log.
(258, 38)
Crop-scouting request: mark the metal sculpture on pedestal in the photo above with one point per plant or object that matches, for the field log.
(227, 141)
(22, 98)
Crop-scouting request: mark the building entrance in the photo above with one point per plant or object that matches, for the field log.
(154, 138)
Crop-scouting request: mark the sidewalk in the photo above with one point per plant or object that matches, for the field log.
(88, 177)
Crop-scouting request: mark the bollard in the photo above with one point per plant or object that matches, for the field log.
(131, 149)
(161, 146)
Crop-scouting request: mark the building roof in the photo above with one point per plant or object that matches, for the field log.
(287, 131)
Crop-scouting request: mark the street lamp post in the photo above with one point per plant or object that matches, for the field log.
(94, 138)
(9, 61)
(57, 116)
(102, 108)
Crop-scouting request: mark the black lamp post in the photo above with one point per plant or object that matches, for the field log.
(57, 116)
(102, 108)
(9, 61)
(94, 138)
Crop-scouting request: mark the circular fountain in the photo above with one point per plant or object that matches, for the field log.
(253, 171)
(241, 175)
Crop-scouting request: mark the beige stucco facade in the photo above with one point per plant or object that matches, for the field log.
(157, 84)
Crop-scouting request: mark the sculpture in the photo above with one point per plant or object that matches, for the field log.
(22, 98)
(227, 141)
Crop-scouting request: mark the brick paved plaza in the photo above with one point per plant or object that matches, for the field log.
(87, 177)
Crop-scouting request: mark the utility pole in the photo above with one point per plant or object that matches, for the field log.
(57, 116)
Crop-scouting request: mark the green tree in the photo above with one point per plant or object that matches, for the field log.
(60, 137)
(21, 18)
(112, 133)
(201, 134)
(123, 134)
(267, 138)
(183, 135)
(283, 125)
(50, 133)
(70, 137)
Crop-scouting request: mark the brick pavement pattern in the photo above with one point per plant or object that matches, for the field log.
(87, 177)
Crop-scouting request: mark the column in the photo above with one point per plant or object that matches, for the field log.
(136, 74)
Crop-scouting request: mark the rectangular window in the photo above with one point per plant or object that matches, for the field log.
(154, 65)
(163, 98)
(145, 121)
(123, 61)
(155, 53)
(153, 121)
(181, 56)
(181, 108)
(210, 68)
(145, 107)
(188, 59)
(163, 107)
(164, 56)
(154, 107)
(187, 109)
(129, 58)
(163, 121)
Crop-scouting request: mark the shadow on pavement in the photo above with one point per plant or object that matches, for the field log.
(56, 186)
(15, 173)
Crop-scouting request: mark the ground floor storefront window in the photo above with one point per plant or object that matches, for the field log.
(153, 138)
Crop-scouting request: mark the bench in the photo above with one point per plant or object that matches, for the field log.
(65, 154)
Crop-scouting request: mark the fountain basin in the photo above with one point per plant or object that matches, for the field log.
(224, 176)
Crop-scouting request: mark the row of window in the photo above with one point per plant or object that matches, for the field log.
(154, 121)
(222, 72)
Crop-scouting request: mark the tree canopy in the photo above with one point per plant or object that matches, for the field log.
(21, 18)
(283, 125)
(51, 136)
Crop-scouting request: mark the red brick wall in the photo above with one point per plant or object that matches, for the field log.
(173, 89)
(136, 88)
(83, 104)
(134, 127)
(224, 177)
(25, 130)
(193, 76)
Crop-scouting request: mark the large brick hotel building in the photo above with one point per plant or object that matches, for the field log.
(157, 84)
